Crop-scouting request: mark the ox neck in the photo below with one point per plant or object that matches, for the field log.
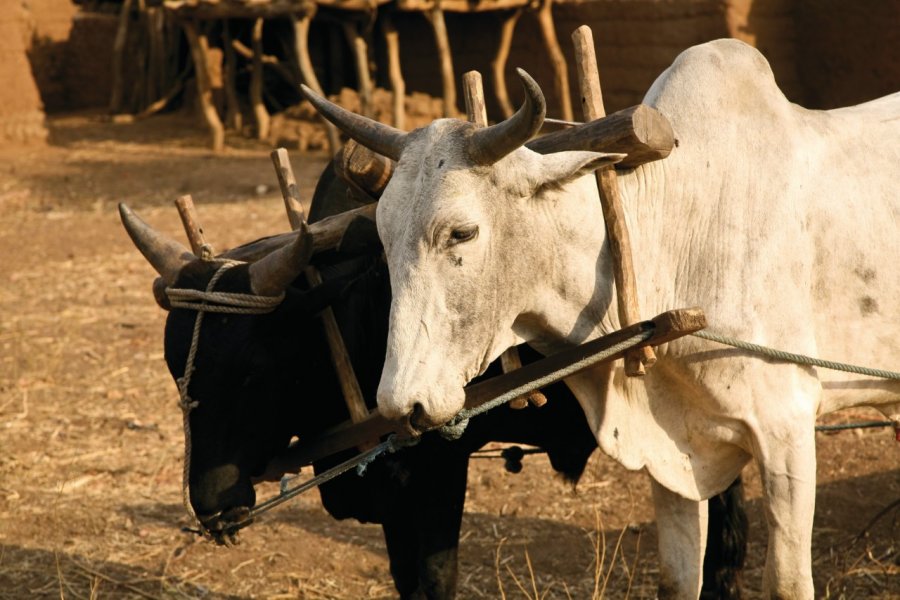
(577, 301)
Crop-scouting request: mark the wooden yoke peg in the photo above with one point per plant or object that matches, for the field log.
(476, 112)
(188, 214)
(353, 396)
(616, 229)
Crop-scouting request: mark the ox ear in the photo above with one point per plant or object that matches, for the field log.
(559, 168)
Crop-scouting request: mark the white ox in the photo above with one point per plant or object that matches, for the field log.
(780, 222)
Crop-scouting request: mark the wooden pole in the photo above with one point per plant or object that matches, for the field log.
(442, 41)
(301, 34)
(613, 212)
(233, 117)
(398, 86)
(557, 59)
(260, 113)
(498, 65)
(476, 112)
(199, 51)
(340, 358)
(115, 100)
(361, 56)
(188, 214)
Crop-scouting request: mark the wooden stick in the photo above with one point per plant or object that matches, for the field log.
(188, 214)
(340, 358)
(473, 92)
(256, 83)
(498, 65)
(640, 131)
(442, 41)
(557, 59)
(199, 51)
(613, 213)
(301, 31)
(398, 86)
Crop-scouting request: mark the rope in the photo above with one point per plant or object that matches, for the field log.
(795, 358)
(862, 425)
(224, 302)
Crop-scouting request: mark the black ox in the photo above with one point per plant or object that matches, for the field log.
(260, 380)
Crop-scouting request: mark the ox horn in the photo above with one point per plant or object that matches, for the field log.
(271, 275)
(383, 139)
(487, 145)
(165, 254)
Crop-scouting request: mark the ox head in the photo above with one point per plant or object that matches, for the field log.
(465, 222)
(245, 374)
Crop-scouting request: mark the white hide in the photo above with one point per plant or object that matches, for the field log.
(779, 222)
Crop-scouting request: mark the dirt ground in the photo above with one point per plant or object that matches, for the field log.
(91, 441)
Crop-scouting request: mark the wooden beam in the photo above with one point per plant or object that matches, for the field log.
(639, 131)
(636, 361)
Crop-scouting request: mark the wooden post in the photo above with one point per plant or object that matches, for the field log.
(498, 65)
(115, 100)
(256, 83)
(233, 117)
(398, 86)
(188, 214)
(557, 59)
(340, 358)
(361, 56)
(199, 50)
(613, 213)
(301, 33)
(473, 92)
(436, 18)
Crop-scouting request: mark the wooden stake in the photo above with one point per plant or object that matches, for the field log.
(188, 214)
(477, 114)
(340, 358)
(613, 213)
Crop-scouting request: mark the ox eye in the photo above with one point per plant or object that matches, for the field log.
(463, 234)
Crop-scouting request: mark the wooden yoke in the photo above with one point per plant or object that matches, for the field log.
(476, 112)
(616, 228)
(339, 356)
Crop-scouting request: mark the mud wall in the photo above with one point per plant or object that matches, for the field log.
(21, 112)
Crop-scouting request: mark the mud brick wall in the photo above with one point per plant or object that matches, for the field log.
(21, 112)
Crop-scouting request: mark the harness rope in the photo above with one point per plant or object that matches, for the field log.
(224, 302)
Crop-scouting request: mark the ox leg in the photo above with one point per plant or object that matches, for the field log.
(787, 464)
(681, 524)
(403, 550)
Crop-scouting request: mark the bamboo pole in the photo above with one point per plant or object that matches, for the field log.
(613, 212)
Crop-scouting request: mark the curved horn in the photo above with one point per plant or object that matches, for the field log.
(165, 254)
(489, 144)
(381, 138)
(271, 275)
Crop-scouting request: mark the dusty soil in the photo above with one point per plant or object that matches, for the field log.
(90, 435)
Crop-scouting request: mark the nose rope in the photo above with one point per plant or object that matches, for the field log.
(203, 302)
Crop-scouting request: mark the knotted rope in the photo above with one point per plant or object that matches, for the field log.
(203, 302)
